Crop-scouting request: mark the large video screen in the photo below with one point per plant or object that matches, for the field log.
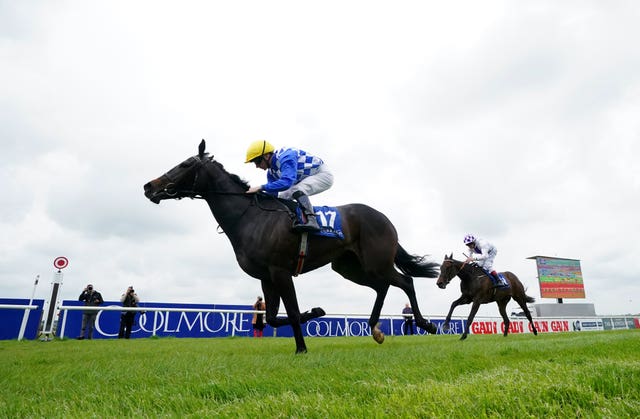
(559, 278)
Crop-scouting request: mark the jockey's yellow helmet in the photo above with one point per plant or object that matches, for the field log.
(258, 148)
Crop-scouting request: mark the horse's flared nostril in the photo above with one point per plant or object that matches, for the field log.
(149, 193)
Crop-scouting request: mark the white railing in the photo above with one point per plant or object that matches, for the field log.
(27, 308)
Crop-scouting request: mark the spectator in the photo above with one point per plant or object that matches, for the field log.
(128, 299)
(407, 327)
(91, 298)
(258, 318)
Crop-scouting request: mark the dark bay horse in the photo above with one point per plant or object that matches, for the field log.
(259, 229)
(478, 289)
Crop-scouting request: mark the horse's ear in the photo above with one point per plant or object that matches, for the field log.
(201, 148)
(451, 256)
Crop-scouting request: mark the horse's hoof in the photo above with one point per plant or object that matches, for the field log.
(463, 337)
(301, 351)
(378, 336)
(317, 312)
(446, 327)
(431, 328)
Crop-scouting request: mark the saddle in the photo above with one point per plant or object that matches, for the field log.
(328, 218)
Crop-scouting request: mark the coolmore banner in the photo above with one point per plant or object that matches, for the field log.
(188, 323)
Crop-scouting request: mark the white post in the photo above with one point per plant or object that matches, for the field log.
(155, 320)
(27, 311)
(346, 326)
(64, 322)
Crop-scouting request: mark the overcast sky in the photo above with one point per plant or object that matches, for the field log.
(516, 121)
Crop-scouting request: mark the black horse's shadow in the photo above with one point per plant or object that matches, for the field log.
(259, 229)
(477, 288)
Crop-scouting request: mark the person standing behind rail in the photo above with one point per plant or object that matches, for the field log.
(128, 299)
(91, 298)
(407, 327)
(258, 318)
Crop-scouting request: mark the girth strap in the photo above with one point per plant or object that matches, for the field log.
(302, 253)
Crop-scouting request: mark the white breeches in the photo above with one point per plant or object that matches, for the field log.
(311, 185)
(487, 264)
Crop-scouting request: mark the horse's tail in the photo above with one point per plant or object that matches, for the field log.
(414, 265)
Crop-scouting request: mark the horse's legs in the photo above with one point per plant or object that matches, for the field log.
(528, 314)
(520, 296)
(272, 301)
(472, 314)
(272, 318)
(523, 305)
(282, 284)
(456, 303)
(348, 265)
(405, 283)
(502, 308)
(381, 294)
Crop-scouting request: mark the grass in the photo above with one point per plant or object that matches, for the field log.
(587, 374)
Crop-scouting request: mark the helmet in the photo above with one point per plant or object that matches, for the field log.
(469, 238)
(258, 148)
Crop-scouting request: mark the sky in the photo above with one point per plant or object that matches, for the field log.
(516, 121)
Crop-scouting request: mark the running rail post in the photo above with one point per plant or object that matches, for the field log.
(27, 311)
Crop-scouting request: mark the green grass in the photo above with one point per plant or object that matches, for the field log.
(587, 374)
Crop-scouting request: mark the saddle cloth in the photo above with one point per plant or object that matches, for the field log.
(503, 281)
(329, 221)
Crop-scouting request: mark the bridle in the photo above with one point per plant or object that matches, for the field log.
(178, 194)
(457, 270)
(171, 191)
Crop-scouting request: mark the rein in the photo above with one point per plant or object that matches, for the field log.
(472, 264)
(458, 270)
(193, 194)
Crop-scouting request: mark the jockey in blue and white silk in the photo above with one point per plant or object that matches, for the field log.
(294, 170)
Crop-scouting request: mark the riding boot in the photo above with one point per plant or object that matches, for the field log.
(307, 209)
(497, 282)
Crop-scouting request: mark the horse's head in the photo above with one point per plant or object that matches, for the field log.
(179, 182)
(448, 270)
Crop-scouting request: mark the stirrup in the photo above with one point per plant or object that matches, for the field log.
(308, 227)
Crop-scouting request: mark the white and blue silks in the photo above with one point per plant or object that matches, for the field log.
(294, 170)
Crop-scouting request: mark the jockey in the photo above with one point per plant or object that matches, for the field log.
(482, 252)
(291, 174)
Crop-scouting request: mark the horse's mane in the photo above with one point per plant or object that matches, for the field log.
(235, 178)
